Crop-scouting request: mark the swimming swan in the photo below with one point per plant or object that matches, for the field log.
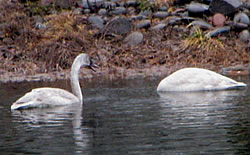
(197, 79)
(50, 97)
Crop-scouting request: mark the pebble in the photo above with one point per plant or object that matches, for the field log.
(96, 21)
(244, 36)
(241, 18)
(201, 24)
(218, 31)
(219, 20)
(133, 39)
(197, 7)
(102, 12)
(160, 14)
(159, 26)
(118, 25)
(144, 24)
(119, 10)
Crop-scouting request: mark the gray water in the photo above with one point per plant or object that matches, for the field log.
(128, 117)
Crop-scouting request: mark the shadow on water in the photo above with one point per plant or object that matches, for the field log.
(128, 117)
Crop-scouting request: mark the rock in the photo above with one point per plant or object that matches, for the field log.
(109, 5)
(119, 10)
(219, 19)
(137, 17)
(118, 25)
(131, 3)
(39, 25)
(197, 7)
(163, 8)
(241, 18)
(146, 13)
(218, 31)
(226, 7)
(201, 24)
(102, 12)
(143, 24)
(86, 11)
(240, 26)
(241, 21)
(46, 3)
(93, 4)
(159, 26)
(160, 14)
(244, 36)
(65, 4)
(134, 38)
(96, 21)
(37, 19)
(131, 11)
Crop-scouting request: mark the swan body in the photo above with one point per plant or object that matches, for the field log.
(50, 97)
(197, 79)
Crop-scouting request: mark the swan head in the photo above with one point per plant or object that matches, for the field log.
(83, 60)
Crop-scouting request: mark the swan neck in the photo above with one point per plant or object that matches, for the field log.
(74, 78)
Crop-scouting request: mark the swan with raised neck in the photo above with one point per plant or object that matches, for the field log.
(50, 97)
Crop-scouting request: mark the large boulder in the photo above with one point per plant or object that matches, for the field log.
(225, 7)
(118, 25)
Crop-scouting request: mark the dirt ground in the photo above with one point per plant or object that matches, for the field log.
(30, 54)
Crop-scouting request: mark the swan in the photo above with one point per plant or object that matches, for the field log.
(50, 97)
(197, 79)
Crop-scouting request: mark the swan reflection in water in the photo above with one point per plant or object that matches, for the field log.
(56, 117)
(199, 118)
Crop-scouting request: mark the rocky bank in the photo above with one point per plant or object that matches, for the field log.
(126, 38)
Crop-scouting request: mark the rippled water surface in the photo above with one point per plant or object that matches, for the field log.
(128, 117)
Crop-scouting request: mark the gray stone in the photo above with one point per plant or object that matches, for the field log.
(225, 7)
(138, 17)
(143, 24)
(201, 24)
(86, 11)
(131, 3)
(159, 26)
(218, 31)
(65, 4)
(102, 12)
(46, 3)
(96, 21)
(37, 19)
(146, 13)
(160, 14)
(93, 3)
(244, 36)
(133, 39)
(197, 7)
(241, 18)
(109, 5)
(39, 25)
(119, 11)
(163, 8)
(118, 25)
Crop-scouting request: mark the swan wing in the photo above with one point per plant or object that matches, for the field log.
(197, 79)
(45, 97)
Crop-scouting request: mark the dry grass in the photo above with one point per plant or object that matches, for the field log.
(199, 41)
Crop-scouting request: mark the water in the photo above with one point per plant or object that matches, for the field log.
(128, 117)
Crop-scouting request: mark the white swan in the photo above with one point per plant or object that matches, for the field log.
(50, 97)
(197, 79)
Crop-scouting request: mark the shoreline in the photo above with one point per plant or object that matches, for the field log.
(119, 72)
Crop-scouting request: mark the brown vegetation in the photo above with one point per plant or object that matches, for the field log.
(27, 50)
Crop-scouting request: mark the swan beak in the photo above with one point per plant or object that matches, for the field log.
(92, 66)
